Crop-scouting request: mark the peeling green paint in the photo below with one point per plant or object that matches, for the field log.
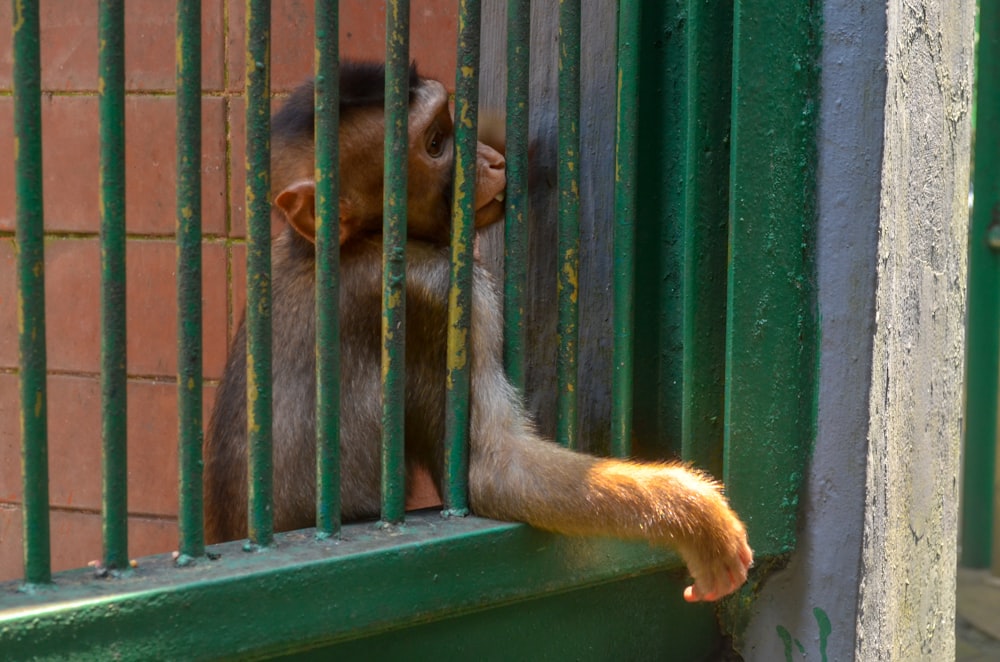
(189, 275)
(111, 199)
(258, 316)
(788, 641)
(328, 477)
(516, 198)
(568, 176)
(458, 380)
(394, 259)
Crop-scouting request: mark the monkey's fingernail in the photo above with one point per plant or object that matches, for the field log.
(499, 197)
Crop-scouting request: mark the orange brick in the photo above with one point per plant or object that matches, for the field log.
(238, 285)
(76, 538)
(72, 300)
(152, 303)
(433, 34)
(71, 152)
(70, 158)
(151, 159)
(237, 190)
(74, 405)
(433, 29)
(150, 45)
(7, 219)
(8, 304)
(75, 441)
(69, 45)
(68, 33)
(69, 164)
(11, 550)
(291, 43)
(10, 442)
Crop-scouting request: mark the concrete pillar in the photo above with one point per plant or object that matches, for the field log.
(873, 577)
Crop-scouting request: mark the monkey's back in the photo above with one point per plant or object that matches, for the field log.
(294, 387)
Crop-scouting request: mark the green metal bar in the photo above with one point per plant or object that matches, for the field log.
(771, 346)
(627, 70)
(463, 216)
(111, 89)
(516, 221)
(706, 207)
(189, 350)
(979, 491)
(328, 506)
(258, 320)
(31, 292)
(567, 328)
(659, 232)
(262, 605)
(397, 62)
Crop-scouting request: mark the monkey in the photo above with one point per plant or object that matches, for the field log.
(514, 474)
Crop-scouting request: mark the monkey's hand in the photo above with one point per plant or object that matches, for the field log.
(718, 555)
(676, 505)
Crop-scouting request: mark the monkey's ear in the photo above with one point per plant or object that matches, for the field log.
(298, 204)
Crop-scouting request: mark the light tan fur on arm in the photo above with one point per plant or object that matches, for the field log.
(516, 475)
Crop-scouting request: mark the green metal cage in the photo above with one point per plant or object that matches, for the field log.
(714, 347)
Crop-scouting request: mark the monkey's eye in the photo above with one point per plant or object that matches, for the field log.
(436, 143)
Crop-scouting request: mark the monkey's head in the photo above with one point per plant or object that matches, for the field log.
(362, 139)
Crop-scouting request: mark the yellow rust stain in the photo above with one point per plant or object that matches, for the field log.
(17, 147)
(459, 185)
(252, 394)
(458, 356)
(38, 404)
(394, 301)
(465, 120)
(18, 16)
(187, 213)
(468, 71)
(570, 275)
(190, 384)
(179, 43)
(100, 86)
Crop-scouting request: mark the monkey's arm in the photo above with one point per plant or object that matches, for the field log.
(516, 475)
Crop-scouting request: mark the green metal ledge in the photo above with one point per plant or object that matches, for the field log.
(308, 593)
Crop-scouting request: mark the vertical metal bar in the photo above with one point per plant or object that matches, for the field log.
(397, 89)
(706, 210)
(111, 87)
(771, 330)
(189, 348)
(629, 14)
(516, 221)
(659, 241)
(979, 492)
(463, 216)
(567, 329)
(328, 506)
(258, 210)
(31, 292)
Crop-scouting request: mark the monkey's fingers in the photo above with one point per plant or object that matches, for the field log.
(723, 577)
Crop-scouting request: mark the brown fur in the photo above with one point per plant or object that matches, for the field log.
(513, 473)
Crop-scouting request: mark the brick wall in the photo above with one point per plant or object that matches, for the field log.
(70, 146)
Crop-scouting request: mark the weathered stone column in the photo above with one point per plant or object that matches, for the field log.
(873, 577)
